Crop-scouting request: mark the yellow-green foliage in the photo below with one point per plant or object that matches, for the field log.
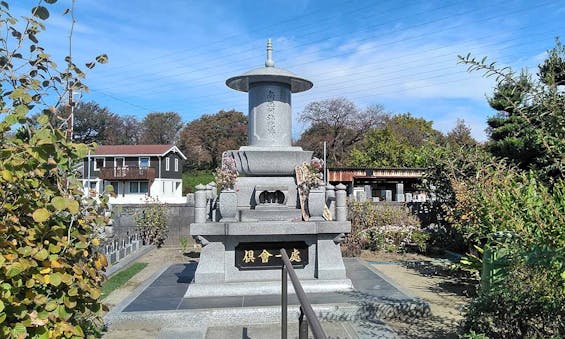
(152, 220)
(50, 270)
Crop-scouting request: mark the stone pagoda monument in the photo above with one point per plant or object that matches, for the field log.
(263, 212)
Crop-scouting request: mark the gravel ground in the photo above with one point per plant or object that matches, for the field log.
(446, 290)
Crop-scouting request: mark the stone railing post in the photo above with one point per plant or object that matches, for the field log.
(330, 199)
(200, 204)
(341, 203)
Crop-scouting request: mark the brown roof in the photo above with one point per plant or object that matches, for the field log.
(136, 150)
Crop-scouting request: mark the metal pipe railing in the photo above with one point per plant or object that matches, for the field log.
(307, 315)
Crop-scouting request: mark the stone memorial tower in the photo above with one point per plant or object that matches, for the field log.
(240, 254)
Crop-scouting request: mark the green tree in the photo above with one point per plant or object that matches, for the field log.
(460, 135)
(510, 134)
(401, 141)
(50, 267)
(338, 122)
(512, 210)
(529, 127)
(126, 131)
(91, 123)
(161, 128)
(205, 139)
(552, 71)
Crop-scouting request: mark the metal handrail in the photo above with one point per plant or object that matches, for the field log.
(305, 306)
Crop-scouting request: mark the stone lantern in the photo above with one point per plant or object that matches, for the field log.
(239, 257)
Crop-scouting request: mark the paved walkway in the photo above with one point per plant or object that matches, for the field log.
(160, 305)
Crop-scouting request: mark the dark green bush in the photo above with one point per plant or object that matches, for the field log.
(528, 302)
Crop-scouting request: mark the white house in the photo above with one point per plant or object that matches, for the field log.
(136, 172)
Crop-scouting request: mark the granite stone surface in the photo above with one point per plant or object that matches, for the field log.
(166, 292)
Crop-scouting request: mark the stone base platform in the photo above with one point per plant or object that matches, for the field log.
(160, 303)
(222, 269)
(256, 288)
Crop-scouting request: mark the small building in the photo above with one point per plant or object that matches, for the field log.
(136, 172)
(380, 184)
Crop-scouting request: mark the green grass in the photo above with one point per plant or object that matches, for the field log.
(192, 178)
(121, 277)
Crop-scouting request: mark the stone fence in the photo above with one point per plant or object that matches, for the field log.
(117, 246)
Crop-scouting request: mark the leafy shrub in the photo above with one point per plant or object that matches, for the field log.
(383, 227)
(152, 220)
(527, 303)
(50, 269)
(524, 298)
(226, 175)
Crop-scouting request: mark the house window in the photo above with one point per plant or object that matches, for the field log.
(143, 161)
(119, 162)
(133, 187)
(138, 187)
(98, 163)
(167, 164)
(117, 186)
(176, 165)
(143, 187)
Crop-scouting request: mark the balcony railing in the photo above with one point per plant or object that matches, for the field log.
(127, 173)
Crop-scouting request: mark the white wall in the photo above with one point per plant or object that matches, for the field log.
(165, 190)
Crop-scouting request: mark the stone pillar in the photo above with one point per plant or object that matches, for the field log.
(330, 199)
(368, 192)
(388, 195)
(400, 192)
(200, 204)
(340, 203)
(270, 117)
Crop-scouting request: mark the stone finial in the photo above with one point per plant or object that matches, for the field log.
(269, 62)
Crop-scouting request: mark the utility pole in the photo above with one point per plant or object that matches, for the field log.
(325, 170)
(71, 119)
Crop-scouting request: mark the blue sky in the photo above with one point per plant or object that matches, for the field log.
(175, 55)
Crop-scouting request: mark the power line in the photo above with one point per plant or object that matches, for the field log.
(252, 55)
(349, 77)
(336, 87)
(278, 25)
(122, 100)
(376, 46)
